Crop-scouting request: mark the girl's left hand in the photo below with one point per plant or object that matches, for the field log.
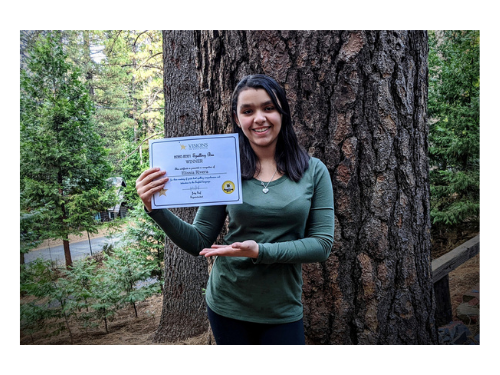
(249, 249)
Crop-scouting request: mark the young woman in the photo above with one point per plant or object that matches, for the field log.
(286, 219)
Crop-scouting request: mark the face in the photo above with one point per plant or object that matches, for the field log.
(258, 118)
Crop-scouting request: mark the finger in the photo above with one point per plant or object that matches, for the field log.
(218, 251)
(147, 172)
(161, 185)
(146, 193)
(220, 254)
(210, 250)
(218, 246)
(149, 175)
(148, 184)
(207, 253)
(153, 178)
(223, 249)
(150, 189)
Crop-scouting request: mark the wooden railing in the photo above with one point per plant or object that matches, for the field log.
(441, 267)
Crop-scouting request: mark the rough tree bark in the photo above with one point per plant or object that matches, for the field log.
(359, 102)
(184, 310)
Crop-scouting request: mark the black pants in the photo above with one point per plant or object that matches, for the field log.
(229, 331)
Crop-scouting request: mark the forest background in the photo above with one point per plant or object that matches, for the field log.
(126, 94)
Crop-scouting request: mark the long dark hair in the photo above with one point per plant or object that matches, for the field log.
(291, 158)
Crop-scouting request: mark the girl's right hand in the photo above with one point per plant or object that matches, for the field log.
(149, 183)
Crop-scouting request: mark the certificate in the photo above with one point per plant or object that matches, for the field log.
(202, 170)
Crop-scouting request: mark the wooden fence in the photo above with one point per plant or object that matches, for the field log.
(441, 267)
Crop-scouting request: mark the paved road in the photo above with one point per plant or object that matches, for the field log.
(78, 250)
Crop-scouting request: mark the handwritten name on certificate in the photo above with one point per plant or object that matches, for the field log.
(202, 170)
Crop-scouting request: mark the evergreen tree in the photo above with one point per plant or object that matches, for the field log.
(112, 86)
(128, 267)
(128, 89)
(146, 236)
(454, 130)
(125, 84)
(63, 165)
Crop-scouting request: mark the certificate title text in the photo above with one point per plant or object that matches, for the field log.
(194, 158)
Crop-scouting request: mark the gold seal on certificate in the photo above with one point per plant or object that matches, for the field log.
(202, 170)
(228, 187)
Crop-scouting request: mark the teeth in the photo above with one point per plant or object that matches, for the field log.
(260, 130)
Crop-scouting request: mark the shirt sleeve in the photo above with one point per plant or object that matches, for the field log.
(192, 238)
(318, 241)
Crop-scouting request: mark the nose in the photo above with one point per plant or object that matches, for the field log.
(259, 117)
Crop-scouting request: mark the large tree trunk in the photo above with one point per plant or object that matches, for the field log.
(184, 310)
(359, 103)
(378, 279)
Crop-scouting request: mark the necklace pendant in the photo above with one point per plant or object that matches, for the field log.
(266, 190)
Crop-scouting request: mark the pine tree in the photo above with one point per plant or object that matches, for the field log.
(63, 166)
(128, 92)
(454, 130)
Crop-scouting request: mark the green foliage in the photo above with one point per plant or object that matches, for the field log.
(63, 162)
(126, 86)
(38, 279)
(131, 170)
(86, 292)
(145, 235)
(131, 78)
(33, 318)
(77, 117)
(119, 97)
(53, 301)
(127, 267)
(454, 129)
(80, 278)
(105, 296)
(32, 227)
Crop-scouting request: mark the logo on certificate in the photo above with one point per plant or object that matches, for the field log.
(228, 187)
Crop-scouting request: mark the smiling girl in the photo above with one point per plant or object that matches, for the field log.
(255, 288)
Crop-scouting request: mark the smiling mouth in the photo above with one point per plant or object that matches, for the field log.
(262, 130)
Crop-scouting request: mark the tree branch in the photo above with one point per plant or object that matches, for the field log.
(140, 144)
(117, 35)
(135, 41)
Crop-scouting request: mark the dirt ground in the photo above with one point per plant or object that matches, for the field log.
(126, 329)
(462, 280)
(465, 277)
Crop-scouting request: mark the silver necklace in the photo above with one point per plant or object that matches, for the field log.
(266, 190)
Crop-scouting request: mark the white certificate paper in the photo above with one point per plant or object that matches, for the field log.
(202, 170)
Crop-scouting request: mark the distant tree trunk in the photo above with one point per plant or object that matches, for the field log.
(87, 59)
(184, 310)
(137, 128)
(359, 102)
(67, 252)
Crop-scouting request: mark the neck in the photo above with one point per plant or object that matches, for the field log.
(267, 163)
(265, 156)
(266, 167)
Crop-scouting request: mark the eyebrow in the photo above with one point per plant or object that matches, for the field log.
(267, 102)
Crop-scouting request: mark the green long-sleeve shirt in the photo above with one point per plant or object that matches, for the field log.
(293, 224)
